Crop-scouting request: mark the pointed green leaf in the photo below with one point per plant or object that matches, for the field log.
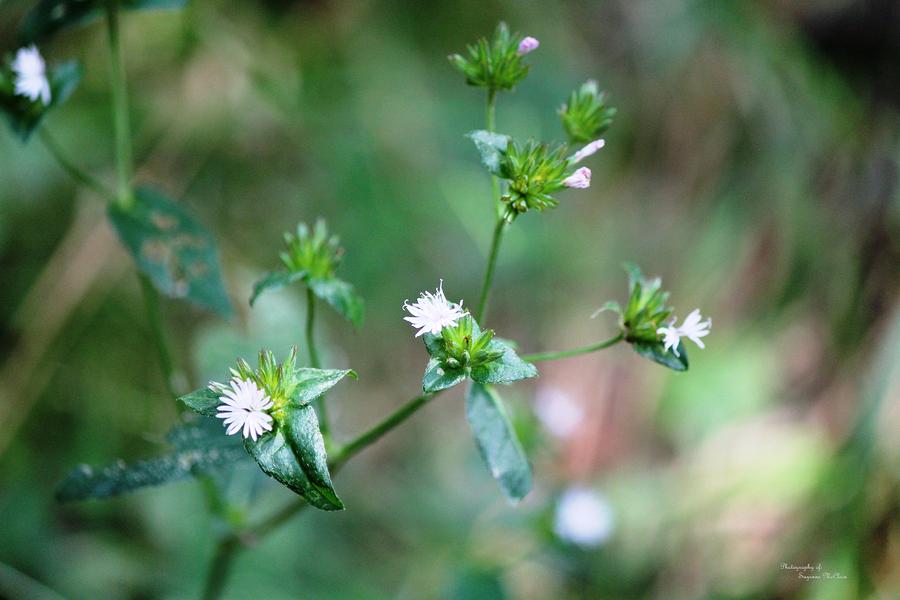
(437, 378)
(654, 351)
(25, 116)
(172, 248)
(276, 456)
(341, 296)
(203, 401)
(315, 382)
(497, 442)
(434, 344)
(302, 431)
(506, 369)
(50, 16)
(491, 146)
(198, 451)
(274, 281)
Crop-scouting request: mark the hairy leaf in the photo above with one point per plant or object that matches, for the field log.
(341, 296)
(172, 248)
(654, 351)
(438, 378)
(491, 146)
(315, 382)
(198, 450)
(506, 369)
(203, 401)
(497, 441)
(274, 281)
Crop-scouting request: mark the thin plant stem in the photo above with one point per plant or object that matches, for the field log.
(217, 576)
(124, 163)
(124, 174)
(541, 356)
(154, 316)
(74, 172)
(491, 124)
(489, 271)
(314, 359)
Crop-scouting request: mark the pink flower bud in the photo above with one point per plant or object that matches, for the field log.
(587, 151)
(529, 44)
(580, 179)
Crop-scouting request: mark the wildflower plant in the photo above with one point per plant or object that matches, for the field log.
(275, 414)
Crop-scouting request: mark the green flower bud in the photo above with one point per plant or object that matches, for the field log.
(495, 64)
(312, 251)
(585, 116)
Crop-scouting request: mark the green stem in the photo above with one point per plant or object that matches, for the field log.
(154, 316)
(314, 359)
(491, 124)
(124, 164)
(217, 576)
(489, 272)
(540, 356)
(74, 172)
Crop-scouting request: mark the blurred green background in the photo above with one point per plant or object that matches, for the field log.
(753, 165)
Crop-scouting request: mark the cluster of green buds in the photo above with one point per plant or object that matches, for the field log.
(535, 171)
(465, 346)
(585, 117)
(314, 252)
(646, 311)
(496, 64)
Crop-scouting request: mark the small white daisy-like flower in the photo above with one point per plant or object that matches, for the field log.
(580, 179)
(587, 151)
(583, 517)
(693, 328)
(528, 44)
(31, 75)
(432, 312)
(243, 408)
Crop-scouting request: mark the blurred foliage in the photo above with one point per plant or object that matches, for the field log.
(753, 164)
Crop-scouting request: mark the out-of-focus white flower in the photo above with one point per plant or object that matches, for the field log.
(31, 75)
(579, 179)
(589, 149)
(557, 411)
(528, 44)
(692, 328)
(583, 517)
(243, 408)
(432, 312)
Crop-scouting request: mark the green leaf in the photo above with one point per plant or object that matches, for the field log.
(198, 451)
(203, 401)
(25, 116)
(506, 369)
(497, 442)
(491, 146)
(294, 455)
(315, 382)
(172, 248)
(302, 430)
(341, 296)
(438, 378)
(274, 281)
(654, 351)
(50, 16)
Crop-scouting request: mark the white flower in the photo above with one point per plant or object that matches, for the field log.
(529, 44)
(692, 328)
(432, 312)
(579, 179)
(31, 77)
(557, 411)
(243, 408)
(583, 517)
(587, 151)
